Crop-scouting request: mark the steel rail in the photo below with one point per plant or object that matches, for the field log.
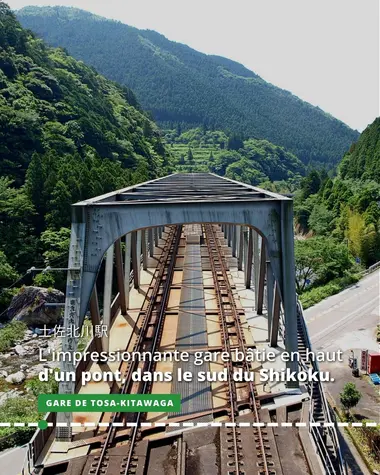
(214, 247)
(157, 337)
(169, 252)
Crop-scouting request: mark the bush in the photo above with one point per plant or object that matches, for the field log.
(36, 387)
(20, 409)
(315, 295)
(11, 333)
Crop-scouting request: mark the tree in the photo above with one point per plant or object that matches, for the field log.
(7, 276)
(235, 143)
(350, 396)
(355, 233)
(321, 220)
(245, 171)
(190, 158)
(320, 260)
(310, 184)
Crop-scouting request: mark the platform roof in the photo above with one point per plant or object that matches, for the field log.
(185, 187)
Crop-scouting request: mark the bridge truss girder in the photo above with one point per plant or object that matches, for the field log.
(246, 213)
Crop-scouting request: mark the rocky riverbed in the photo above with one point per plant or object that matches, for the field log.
(22, 362)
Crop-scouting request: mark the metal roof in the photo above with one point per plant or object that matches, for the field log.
(184, 187)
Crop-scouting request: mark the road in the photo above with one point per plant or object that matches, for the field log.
(347, 320)
(11, 461)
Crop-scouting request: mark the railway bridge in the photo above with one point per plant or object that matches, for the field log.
(190, 263)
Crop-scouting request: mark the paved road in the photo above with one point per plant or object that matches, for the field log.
(11, 461)
(343, 322)
(347, 320)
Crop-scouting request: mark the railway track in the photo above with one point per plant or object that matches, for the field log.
(148, 339)
(231, 330)
(127, 449)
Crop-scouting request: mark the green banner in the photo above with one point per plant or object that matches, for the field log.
(109, 402)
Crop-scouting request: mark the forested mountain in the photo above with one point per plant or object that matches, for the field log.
(66, 134)
(363, 160)
(346, 208)
(180, 85)
(252, 161)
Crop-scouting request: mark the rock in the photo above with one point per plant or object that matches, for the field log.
(16, 378)
(24, 367)
(13, 393)
(28, 306)
(20, 350)
(3, 373)
(35, 370)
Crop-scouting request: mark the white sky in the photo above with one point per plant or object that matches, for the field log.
(324, 51)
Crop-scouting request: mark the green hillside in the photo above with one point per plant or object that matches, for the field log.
(66, 134)
(182, 86)
(251, 161)
(363, 160)
(346, 208)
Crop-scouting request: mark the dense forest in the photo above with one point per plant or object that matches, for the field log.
(340, 215)
(182, 86)
(251, 161)
(66, 134)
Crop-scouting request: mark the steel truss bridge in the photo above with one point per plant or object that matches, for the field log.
(193, 224)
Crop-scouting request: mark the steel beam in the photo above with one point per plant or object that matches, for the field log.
(136, 243)
(260, 291)
(151, 242)
(270, 290)
(256, 265)
(127, 267)
(107, 222)
(120, 277)
(275, 317)
(289, 296)
(240, 230)
(71, 320)
(107, 297)
(233, 241)
(248, 260)
(95, 319)
(144, 249)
